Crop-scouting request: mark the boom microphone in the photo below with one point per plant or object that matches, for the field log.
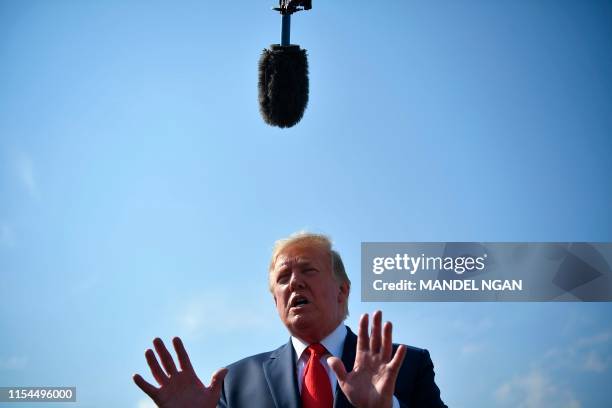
(283, 73)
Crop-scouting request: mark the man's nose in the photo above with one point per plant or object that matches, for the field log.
(296, 281)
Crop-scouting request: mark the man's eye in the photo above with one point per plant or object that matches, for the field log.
(282, 279)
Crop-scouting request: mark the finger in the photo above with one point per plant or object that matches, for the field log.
(375, 338)
(387, 342)
(156, 370)
(165, 357)
(363, 339)
(398, 358)
(148, 389)
(183, 357)
(338, 367)
(217, 379)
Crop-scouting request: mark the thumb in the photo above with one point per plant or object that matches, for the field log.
(217, 379)
(338, 367)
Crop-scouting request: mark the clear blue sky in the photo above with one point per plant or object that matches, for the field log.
(141, 193)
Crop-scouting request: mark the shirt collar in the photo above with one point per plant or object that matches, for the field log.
(334, 342)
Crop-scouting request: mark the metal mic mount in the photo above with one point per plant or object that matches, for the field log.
(286, 8)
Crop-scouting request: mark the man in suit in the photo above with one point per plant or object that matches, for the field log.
(323, 365)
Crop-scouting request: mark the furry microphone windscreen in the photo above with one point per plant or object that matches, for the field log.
(283, 85)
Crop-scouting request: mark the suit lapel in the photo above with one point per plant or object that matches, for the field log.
(348, 358)
(282, 380)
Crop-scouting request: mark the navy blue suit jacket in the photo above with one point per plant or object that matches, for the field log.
(270, 380)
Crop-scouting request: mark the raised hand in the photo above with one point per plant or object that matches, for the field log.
(178, 389)
(372, 381)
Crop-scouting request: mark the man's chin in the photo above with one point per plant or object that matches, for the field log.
(301, 322)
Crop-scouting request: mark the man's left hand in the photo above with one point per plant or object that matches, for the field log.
(372, 381)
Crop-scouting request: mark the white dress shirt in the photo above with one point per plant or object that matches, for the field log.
(334, 343)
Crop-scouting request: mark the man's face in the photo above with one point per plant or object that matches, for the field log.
(309, 300)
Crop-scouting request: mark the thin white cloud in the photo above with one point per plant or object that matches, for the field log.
(146, 403)
(473, 327)
(214, 313)
(590, 353)
(26, 172)
(13, 363)
(595, 363)
(473, 330)
(7, 239)
(600, 338)
(534, 389)
(575, 322)
(85, 284)
(469, 349)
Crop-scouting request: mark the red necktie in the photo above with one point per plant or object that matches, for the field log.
(316, 388)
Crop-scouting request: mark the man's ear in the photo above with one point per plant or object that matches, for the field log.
(274, 297)
(343, 294)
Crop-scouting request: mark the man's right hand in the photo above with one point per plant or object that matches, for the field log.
(178, 389)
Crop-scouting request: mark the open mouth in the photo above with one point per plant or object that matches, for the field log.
(298, 301)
